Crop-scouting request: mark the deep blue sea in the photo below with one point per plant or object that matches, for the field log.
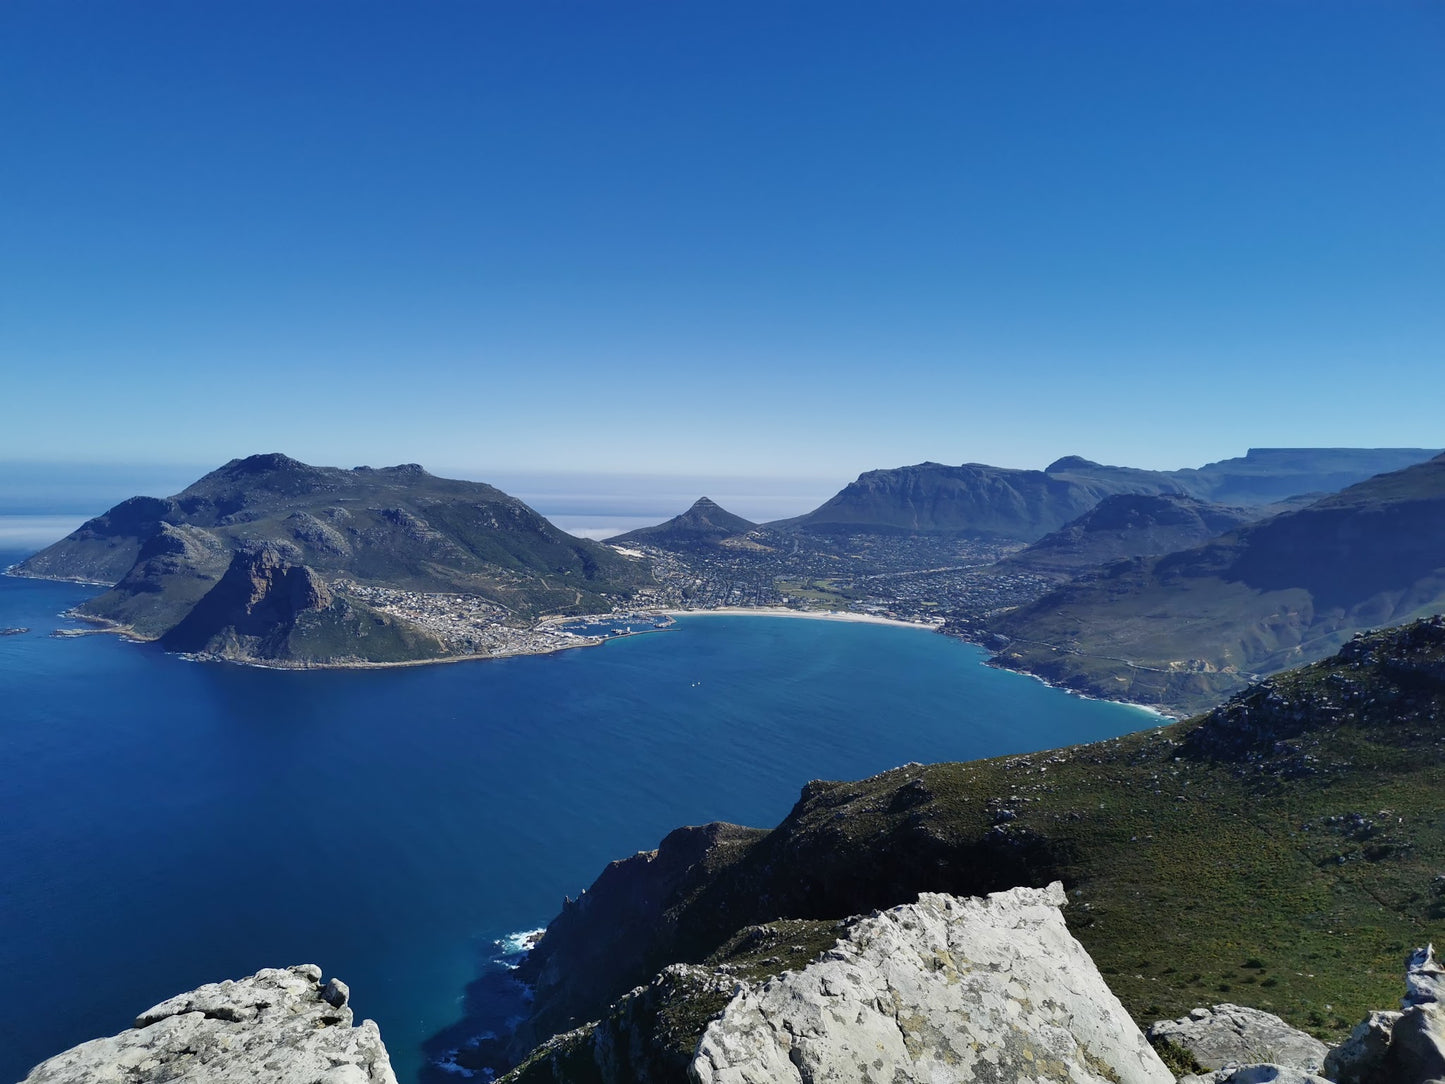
(165, 824)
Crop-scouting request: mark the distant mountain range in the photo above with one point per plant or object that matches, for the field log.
(1024, 505)
(1184, 629)
(270, 558)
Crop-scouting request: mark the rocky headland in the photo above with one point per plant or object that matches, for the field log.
(271, 560)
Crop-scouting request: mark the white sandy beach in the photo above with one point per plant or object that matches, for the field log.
(811, 615)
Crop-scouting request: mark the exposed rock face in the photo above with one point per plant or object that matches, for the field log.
(1355, 1060)
(1234, 1035)
(263, 592)
(279, 1026)
(992, 989)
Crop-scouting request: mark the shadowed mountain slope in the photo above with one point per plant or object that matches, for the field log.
(1130, 525)
(1187, 628)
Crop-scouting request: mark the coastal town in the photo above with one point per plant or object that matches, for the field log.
(916, 579)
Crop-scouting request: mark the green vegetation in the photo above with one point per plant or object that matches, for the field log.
(1185, 629)
(819, 594)
(1281, 852)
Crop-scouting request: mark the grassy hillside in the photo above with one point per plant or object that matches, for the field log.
(1184, 629)
(1281, 852)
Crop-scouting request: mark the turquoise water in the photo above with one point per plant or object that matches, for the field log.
(165, 823)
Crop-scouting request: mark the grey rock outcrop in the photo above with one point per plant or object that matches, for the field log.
(1232, 1035)
(982, 989)
(276, 1025)
(1356, 1060)
(1399, 1048)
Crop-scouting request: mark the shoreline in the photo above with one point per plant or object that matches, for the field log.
(127, 633)
(808, 615)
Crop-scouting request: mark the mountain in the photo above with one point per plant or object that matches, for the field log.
(974, 499)
(1187, 628)
(1281, 852)
(270, 558)
(1024, 505)
(1270, 474)
(1129, 525)
(705, 524)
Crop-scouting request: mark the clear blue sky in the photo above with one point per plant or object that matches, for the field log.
(731, 238)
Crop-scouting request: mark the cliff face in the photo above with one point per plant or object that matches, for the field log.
(281, 1026)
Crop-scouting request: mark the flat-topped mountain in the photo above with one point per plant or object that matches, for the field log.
(974, 499)
(1024, 505)
(1281, 851)
(271, 558)
(1262, 475)
(1130, 525)
(1184, 629)
(704, 524)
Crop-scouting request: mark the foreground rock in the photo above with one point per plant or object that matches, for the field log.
(1235, 1035)
(280, 1026)
(992, 989)
(1399, 1048)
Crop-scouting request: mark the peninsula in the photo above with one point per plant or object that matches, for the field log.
(271, 560)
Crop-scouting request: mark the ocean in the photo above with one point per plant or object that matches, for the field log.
(165, 823)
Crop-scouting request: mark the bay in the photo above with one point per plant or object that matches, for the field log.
(165, 824)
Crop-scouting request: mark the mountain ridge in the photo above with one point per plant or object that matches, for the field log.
(268, 558)
(1181, 629)
(1008, 503)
